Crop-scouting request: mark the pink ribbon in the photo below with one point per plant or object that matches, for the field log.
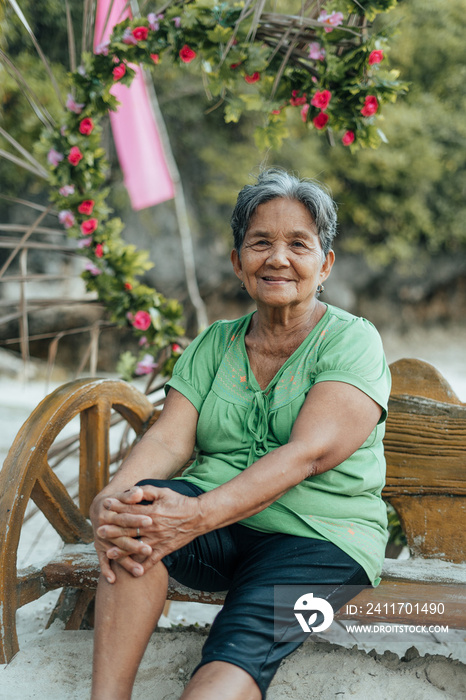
(135, 132)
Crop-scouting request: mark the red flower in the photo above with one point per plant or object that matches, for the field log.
(348, 138)
(119, 71)
(86, 207)
(187, 54)
(252, 78)
(128, 286)
(89, 226)
(375, 57)
(321, 99)
(176, 348)
(75, 155)
(234, 66)
(99, 250)
(155, 57)
(320, 121)
(276, 111)
(370, 106)
(296, 101)
(140, 33)
(141, 320)
(304, 111)
(86, 126)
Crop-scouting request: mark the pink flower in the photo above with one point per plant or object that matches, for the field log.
(177, 348)
(74, 155)
(371, 106)
(66, 218)
(142, 320)
(252, 78)
(86, 207)
(63, 129)
(140, 33)
(102, 48)
(348, 138)
(297, 101)
(316, 52)
(375, 57)
(142, 341)
(276, 111)
(93, 269)
(177, 22)
(128, 37)
(304, 111)
(66, 190)
(155, 57)
(99, 250)
(86, 126)
(84, 242)
(146, 365)
(119, 71)
(321, 99)
(89, 226)
(187, 54)
(330, 21)
(320, 121)
(73, 106)
(153, 20)
(54, 157)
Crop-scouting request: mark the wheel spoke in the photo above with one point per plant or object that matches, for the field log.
(54, 501)
(94, 453)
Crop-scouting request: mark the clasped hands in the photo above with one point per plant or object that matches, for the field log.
(167, 523)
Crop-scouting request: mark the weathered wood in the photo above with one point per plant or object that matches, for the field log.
(49, 494)
(93, 453)
(417, 378)
(434, 525)
(26, 473)
(425, 447)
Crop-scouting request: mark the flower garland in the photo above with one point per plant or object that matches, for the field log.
(335, 74)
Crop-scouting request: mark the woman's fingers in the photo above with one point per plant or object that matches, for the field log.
(124, 519)
(124, 546)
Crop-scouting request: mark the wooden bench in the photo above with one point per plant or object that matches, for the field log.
(425, 448)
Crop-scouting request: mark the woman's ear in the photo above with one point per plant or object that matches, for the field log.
(326, 268)
(236, 262)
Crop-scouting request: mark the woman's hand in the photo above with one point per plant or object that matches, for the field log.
(171, 521)
(102, 516)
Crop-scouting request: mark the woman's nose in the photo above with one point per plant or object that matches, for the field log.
(278, 255)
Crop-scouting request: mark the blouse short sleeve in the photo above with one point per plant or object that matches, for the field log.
(352, 352)
(195, 370)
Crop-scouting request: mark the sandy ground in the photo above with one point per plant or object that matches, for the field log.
(54, 664)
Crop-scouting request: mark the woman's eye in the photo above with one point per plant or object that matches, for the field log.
(299, 244)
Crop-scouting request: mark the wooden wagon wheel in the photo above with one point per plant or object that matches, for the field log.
(27, 474)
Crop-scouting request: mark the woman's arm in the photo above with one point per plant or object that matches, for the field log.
(333, 423)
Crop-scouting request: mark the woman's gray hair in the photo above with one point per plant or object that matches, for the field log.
(276, 183)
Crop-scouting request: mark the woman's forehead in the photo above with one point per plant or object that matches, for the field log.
(288, 215)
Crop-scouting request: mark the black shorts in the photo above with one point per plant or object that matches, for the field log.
(250, 564)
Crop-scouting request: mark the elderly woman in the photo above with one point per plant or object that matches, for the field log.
(285, 408)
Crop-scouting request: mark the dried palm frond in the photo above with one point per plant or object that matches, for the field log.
(25, 23)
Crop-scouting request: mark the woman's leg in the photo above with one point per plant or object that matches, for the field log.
(127, 612)
(219, 679)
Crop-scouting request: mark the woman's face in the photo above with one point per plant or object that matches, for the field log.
(281, 260)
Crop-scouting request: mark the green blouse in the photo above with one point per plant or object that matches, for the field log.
(239, 423)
